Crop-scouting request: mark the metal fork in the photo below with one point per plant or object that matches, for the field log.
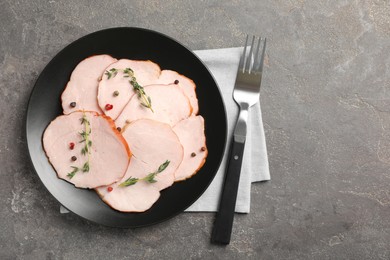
(246, 94)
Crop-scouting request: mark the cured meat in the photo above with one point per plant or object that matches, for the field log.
(188, 86)
(152, 144)
(170, 105)
(85, 149)
(135, 198)
(115, 90)
(191, 135)
(81, 91)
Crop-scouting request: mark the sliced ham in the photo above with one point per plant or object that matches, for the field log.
(135, 198)
(170, 105)
(191, 135)
(145, 72)
(152, 143)
(188, 86)
(82, 87)
(109, 153)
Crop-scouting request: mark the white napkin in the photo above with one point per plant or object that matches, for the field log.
(223, 64)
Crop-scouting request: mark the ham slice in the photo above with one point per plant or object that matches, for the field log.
(82, 87)
(191, 135)
(170, 105)
(188, 86)
(109, 153)
(152, 143)
(135, 198)
(145, 72)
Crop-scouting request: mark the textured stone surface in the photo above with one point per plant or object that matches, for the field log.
(325, 101)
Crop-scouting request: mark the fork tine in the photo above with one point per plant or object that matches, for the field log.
(249, 62)
(262, 56)
(243, 56)
(257, 54)
(259, 65)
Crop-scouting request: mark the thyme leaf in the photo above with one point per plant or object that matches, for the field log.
(130, 181)
(86, 167)
(128, 71)
(163, 166)
(111, 73)
(150, 177)
(73, 173)
(84, 120)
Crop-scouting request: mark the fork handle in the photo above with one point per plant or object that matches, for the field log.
(224, 219)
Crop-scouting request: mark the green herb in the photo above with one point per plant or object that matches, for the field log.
(84, 119)
(163, 166)
(73, 173)
(111, 73)
(129, 73)
(144, 98)
(86, 167)
(130, 181)
(85, 135)
(148, 178)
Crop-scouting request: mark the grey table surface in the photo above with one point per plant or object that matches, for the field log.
(325, 101)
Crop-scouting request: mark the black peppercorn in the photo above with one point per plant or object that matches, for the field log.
(74, 158)
(176, 82)
(119, 129)
(72, 104)
(193, 154)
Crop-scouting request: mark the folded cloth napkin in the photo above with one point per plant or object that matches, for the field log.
(223, 64)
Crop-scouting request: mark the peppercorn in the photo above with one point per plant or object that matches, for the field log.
(193, 154)
(72, 104)
(203, 149)
(74, 158)
(109, 189)
(176, 82)
(108, 107)
(119, 129)
(71, 146)
(116, 93)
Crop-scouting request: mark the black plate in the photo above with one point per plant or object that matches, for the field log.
(131, 43)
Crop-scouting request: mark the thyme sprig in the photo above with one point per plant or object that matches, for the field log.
(85, 135)
(145, 100)
(150, 178)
